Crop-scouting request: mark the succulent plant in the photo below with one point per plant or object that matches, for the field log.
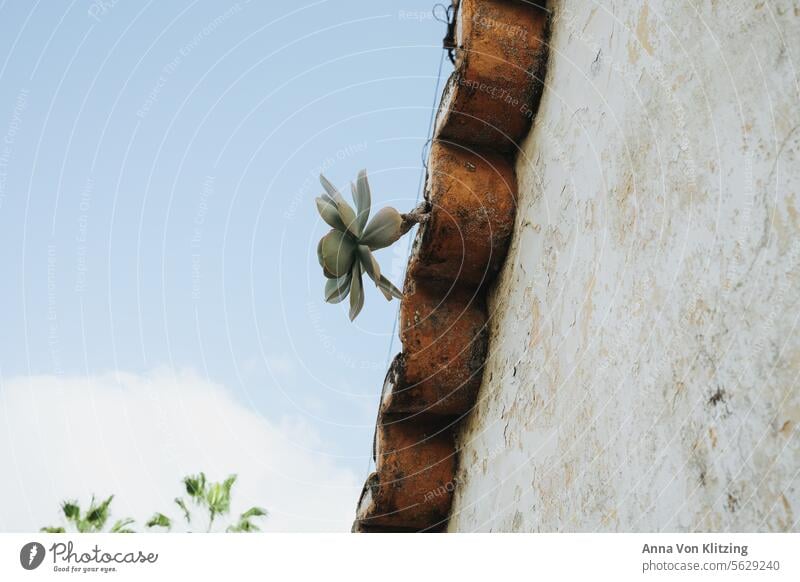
(345, 253)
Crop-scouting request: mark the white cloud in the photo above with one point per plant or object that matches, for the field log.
(137, 435)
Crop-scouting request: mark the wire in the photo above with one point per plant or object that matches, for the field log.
(420, 184)
(448, 10)
(449, 40)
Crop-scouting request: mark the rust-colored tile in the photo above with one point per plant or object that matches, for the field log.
(414, 464)
(444, 338)
(485, 110)
(473, 200)
(491, 97)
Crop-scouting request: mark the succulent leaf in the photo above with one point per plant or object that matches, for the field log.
(363, 199)
(368, 263)
(325, 271)
(337, 289)
(356, 291)
(338, 253)
(384, 229)
(329, 212)
(388, 289)
(346, 212)
(361, 216)
(346, 252)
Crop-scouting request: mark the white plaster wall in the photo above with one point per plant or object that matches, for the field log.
(645, 350)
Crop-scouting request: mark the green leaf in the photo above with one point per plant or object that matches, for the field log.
(71, 509)
(384, 229)
(363, 199)
(337, 289)
(356, 292)
(219, 496)
(121, 526)
(159, 520)
(195, 486)
(244, 526)
(325, 271)
(254, 512)
(180, 503)
(338, 253)
(346, 212)
(388, 289)
(53, 530)
(329, 213)
(96, 516)
(228, 484)
(368, 263)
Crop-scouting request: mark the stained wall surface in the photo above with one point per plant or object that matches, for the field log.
(644, 346)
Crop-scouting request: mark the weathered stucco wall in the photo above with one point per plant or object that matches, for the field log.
(644, 347)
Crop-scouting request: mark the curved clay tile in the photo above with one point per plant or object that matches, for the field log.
(471, 190)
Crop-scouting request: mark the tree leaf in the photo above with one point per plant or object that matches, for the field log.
(337, 289)
(383, 230)
(97, 515)
(180, 503)
(159, 520)
(329, 212)
(121, 526)
(338, 253)
(346, 212)
(356, 292)
(369, 264)
(53, 530)
(228, 484)
(71, 509)
(244, 526)
(195, 486)
(254, 512)
(219, 497)
(363, 199)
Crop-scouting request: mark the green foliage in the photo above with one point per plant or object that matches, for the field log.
(212, 499)
(186, 515)
(245, 523)
(159, 520)
(93, 520)
(195, 485)
(121, 526)
(345, 253)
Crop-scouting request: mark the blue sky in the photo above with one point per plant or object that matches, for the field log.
(158, 167)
